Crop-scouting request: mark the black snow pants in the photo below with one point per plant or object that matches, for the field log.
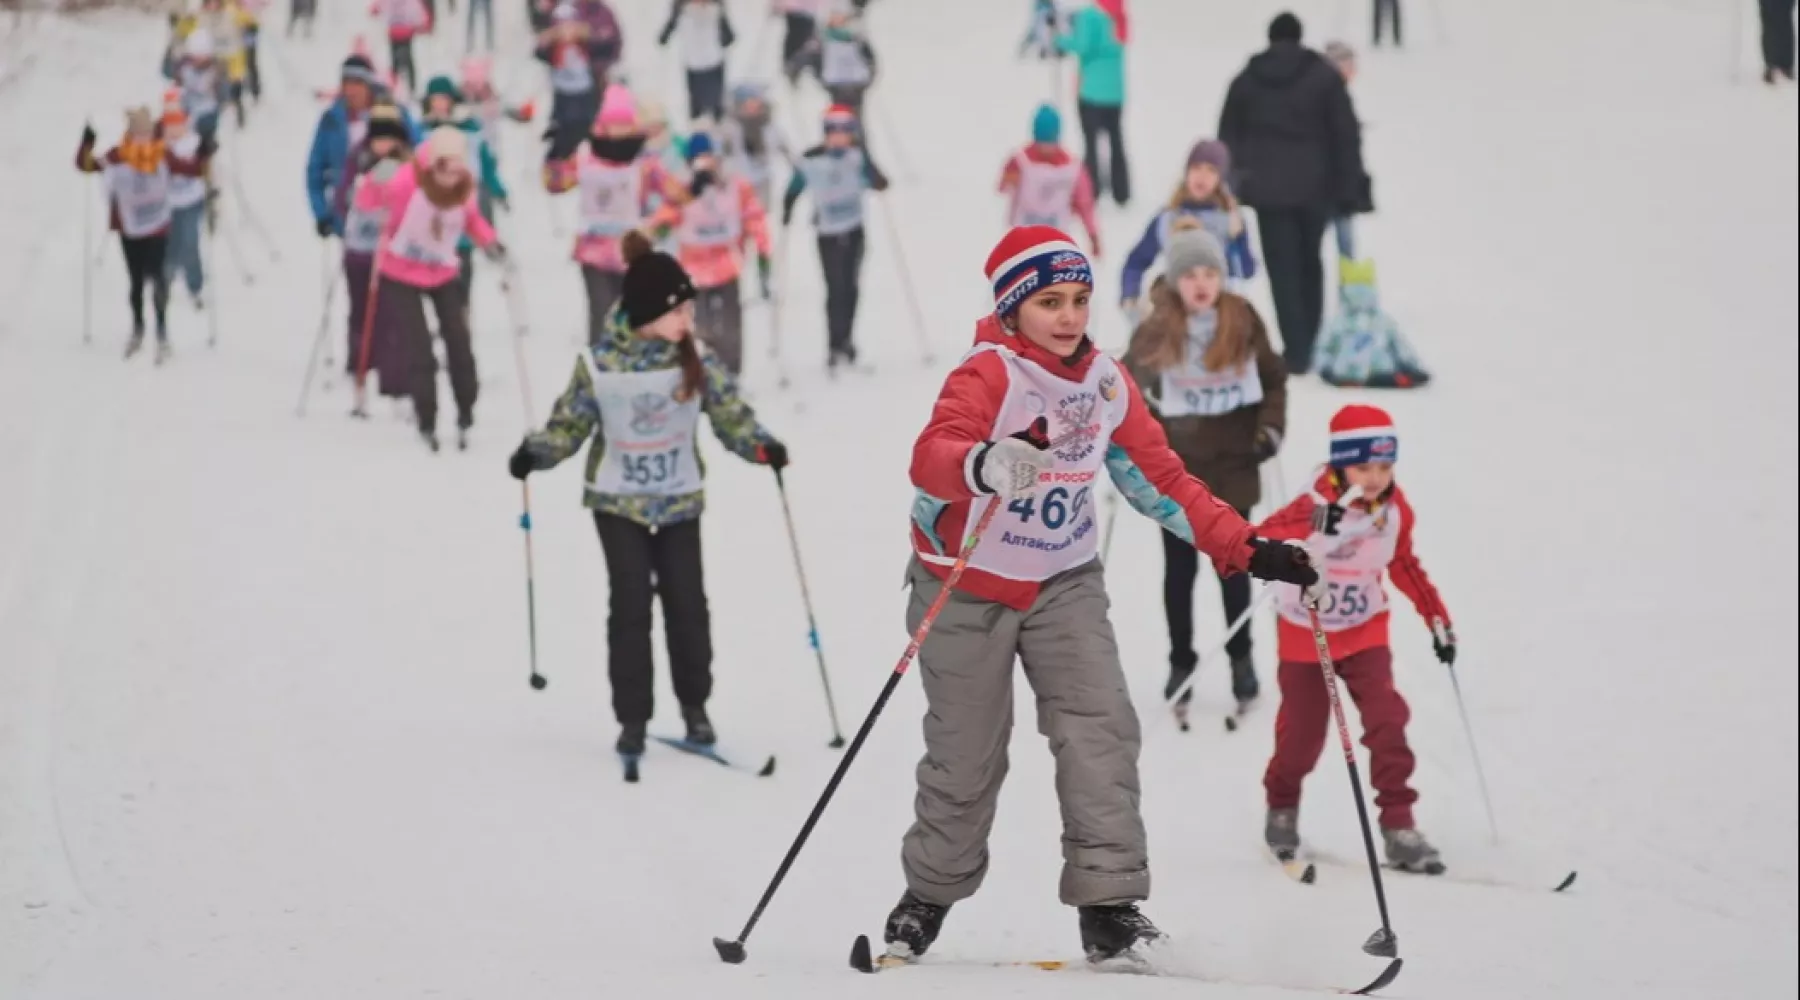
(643, 563)
(719, 322)
(1181, 568)
(706, 93)
(1387, 18)
(1106, 121)
(144, 264)
(1778, 35)
(1291, 241)
(842, 257)
(401, 308)
(603, 290)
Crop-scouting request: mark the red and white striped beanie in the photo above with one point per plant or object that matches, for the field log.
(1361, 434)
(839, 118)
(1030, 258)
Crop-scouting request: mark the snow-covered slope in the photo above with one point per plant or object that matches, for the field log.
(264, 725)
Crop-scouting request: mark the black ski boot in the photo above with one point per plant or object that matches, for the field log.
(631, 738)
(431, 440)
(912, 926)
(1409, 851)
(1244, 685)
(1281, 831)
(464, 421)
(1108, 932)
(699, 728)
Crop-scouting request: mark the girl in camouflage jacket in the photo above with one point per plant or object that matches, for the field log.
(639, 394)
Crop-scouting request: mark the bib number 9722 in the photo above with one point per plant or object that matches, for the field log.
(1054, 508)
(650, 469)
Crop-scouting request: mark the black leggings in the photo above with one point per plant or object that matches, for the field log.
(1181, 567)
(842, 257)
(643, 563)
(1778, 35)
(1387, 17)
(144, 264)
(706, 93)
(1097, 121)
(400, 53)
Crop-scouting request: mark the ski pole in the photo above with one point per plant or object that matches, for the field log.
(1112, 521)
(1487, 802)
(1231, 631)
(87, 268)
(361, 408)
(331, 272)
(319, 341)
(926, 356)
(906, 168)
(251, 219)
(812, 623)
(775, 309)
(538, 680)
(732, 951)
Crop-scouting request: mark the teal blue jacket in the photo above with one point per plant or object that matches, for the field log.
(1094, 43)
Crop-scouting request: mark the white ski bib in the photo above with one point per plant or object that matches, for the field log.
(612, 197)
(186, 192)
(362, 226)
(649, 436)
(571, 73)
(841, 64)
(416, 240)
(1057, 528)
(1046, 195)
(713, 219)
(1194, 391)
(1352, 563)
(142, 199)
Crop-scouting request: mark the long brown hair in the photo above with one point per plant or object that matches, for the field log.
(634, 246)
(1160, 342)
(1221, 198)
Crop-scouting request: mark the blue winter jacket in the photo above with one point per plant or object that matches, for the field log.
(1239, 258)
(330, 154)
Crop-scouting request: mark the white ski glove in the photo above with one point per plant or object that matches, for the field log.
(1011, 467)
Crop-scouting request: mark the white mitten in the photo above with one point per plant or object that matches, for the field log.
(1011, 467)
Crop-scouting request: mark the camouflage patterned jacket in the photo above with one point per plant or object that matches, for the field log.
(577, 418)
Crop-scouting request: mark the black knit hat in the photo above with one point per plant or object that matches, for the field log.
(1285, 28)
(655, 283)
(385, 123)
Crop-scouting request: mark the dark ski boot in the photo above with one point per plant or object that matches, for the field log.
(912, 926)
(135, 344)
(631, 738)
(1181, 667)
(464, 421)
(700, 730)
(431, 440)
(1244, 685)
(1108, 932)
(1281, 831)
(1409, 851)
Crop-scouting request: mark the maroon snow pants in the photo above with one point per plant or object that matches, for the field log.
(1304, 723)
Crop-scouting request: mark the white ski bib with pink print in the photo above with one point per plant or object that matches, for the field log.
(142, 199)
(428, 234)
(1046, 195)
(713, 219)
(1057, 528)
(1351, 563)
(612, 197)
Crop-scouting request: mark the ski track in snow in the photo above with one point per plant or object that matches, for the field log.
(264, 726)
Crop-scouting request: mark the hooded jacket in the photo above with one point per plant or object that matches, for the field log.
(1293, 133)
(1138, 459)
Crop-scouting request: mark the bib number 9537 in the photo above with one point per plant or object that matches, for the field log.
(650, 469)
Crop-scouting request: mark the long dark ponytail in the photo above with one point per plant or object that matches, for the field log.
(636, 245)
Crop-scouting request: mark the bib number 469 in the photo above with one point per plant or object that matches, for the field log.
(650, 469)
(1056, 508)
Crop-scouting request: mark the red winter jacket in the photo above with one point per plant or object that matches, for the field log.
(1294, 522)
(964, 417)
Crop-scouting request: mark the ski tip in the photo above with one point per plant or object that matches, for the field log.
(860, 957)
(1309, 874)
(730, 952)
(1383, 981)
(1566, 883)
(768, 768)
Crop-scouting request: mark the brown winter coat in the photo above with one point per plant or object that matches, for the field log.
(1219, 451)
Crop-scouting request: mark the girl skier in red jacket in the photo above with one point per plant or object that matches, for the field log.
(1355, 543)
(1031, 419)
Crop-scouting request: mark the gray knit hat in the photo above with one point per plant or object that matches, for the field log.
(1194, 248)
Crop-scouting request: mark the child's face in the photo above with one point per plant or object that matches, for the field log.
(448, 171)
(673, 326)
(840, 138)
(383, 146)
(1056, 319)
(439, 107)
(1202, 181)
(1373, 477)
(1200, 288)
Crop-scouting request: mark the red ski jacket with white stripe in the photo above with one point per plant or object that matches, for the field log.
(1146, 471)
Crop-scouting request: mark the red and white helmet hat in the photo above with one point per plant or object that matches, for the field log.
(1031, 258)
(1361, 434)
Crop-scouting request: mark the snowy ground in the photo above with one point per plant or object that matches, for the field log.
(264, 726)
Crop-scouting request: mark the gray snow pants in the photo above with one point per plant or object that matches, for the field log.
(719, 322)
(1071, 660)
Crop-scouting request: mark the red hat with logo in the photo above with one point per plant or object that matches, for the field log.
(1031, 258)
(1361, 434)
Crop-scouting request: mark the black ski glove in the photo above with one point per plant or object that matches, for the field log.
(1443, 642)
(88, 137)
(1326, 518)
(323, 226)
(522, 463)
(703, 179)
(1268, 442)
(774, 455)
(1281, 562)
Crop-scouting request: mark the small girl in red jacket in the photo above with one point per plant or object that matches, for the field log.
(1354, 545)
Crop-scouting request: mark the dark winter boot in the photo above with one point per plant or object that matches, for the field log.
(913, 925)
(136, 343)
(1409, 851)
(631, 738)
(431, 440)
(699, 727)
(1281, 831)
(1244, 685)
(1181, 667)
(1111, 931)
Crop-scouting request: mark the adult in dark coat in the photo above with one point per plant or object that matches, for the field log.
(1295, 140)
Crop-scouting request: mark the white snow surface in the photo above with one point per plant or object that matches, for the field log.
(264, 725)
